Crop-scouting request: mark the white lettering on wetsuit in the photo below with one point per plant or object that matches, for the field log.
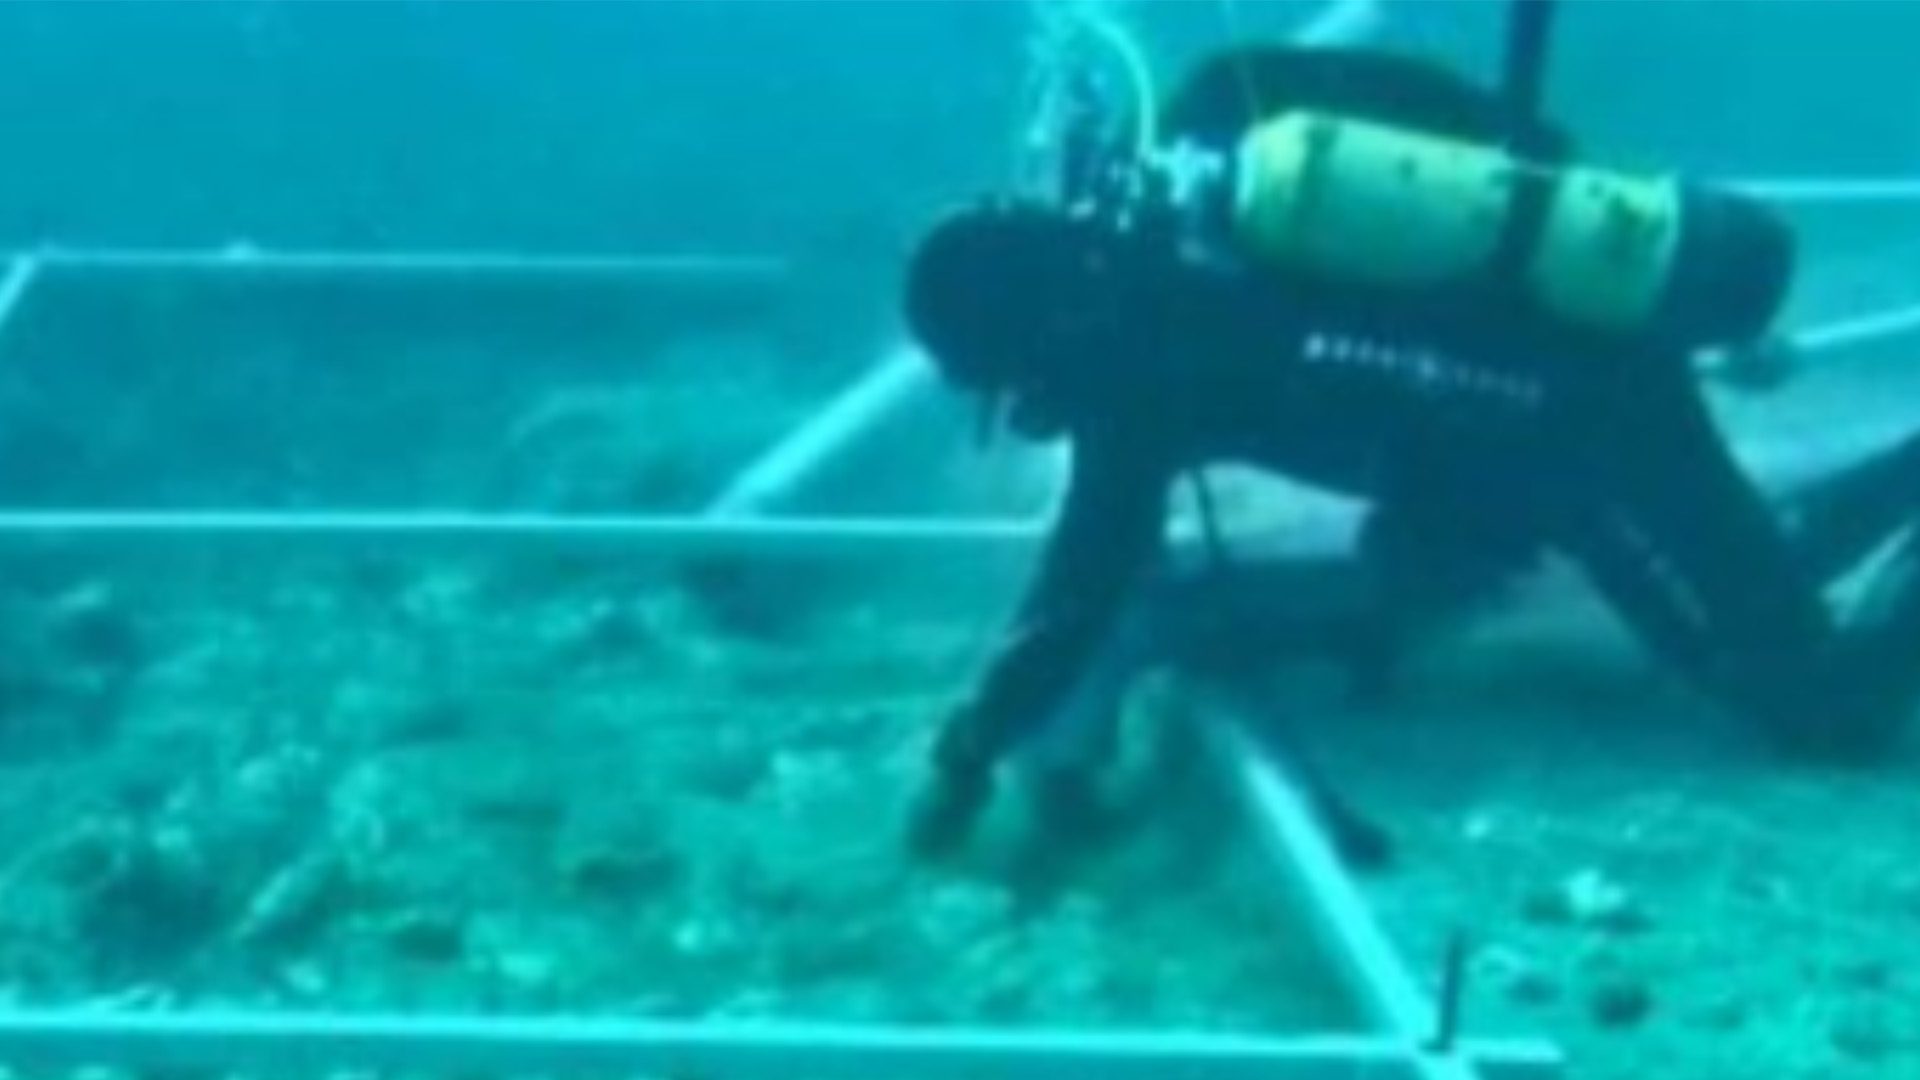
(1424, 371)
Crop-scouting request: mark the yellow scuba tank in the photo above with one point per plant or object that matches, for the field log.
(1357, 201)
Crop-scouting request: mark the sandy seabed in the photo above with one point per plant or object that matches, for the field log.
(369, 782)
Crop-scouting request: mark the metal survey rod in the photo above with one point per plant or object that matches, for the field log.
(250, 262)
(1528, 58)
(279, 1043)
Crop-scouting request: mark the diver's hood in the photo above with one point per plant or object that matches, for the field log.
(1002, 293)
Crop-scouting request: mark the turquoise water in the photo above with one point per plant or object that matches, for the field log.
(563, 776)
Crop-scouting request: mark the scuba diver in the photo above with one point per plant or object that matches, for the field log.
(1357, 271)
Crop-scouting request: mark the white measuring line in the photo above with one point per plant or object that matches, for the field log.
(22, 272)
(1350, 938)
(242, 262)
(1860, 330)
(633, 535)
(281, 1043)
(827, 436)
(1839, 190)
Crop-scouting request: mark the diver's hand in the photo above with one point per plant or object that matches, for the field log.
(954, 793)
(945, 809)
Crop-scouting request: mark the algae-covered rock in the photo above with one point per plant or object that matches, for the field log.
(1620, 1002)
(1587, 899)
(92, 626)
(1516, 977)
(621, 850)
(144, 899)
(426, 935)
(1870, 1034)
(294, 904)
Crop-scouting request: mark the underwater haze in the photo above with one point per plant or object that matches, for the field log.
(498, 713)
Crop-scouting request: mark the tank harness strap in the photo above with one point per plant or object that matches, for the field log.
(1523, 78)
(1219, 558)
(1534, 188)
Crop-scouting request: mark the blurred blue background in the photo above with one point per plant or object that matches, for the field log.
(731, 124)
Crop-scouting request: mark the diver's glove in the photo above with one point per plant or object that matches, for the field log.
(944, 812)
(955, 793)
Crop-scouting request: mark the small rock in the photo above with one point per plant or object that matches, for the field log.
(1871, 975)
(294, 903)
(834, 730)
(305, 978)
(1620, 1004)
(1863, 1035)
(850, 952)
(427, 936)
(435, 720)
(1515, 976)
(90, 625)
(1547, 907)
(1533, 988)
(528, 970)
(962, 911)
(1480, 826)
(141, 997)
(701, 938)
(606, 630)
(1587, 899)
(621, 874)
(729, 771)
(519, 809)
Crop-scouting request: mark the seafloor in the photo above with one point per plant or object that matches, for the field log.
(373, 782)
(373, 777)
(368, 782)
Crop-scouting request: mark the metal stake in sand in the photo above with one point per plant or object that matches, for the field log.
(1350, 938)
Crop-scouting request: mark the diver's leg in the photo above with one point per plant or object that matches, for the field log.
(1063, 765)
(1838, 523)
(1433, 563)
(1690, 553)
(1224, 624)
(1840, 519)
(1417, 571)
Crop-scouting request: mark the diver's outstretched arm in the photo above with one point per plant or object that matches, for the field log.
(1104, 543)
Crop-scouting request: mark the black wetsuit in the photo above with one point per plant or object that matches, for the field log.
(1482, 438)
